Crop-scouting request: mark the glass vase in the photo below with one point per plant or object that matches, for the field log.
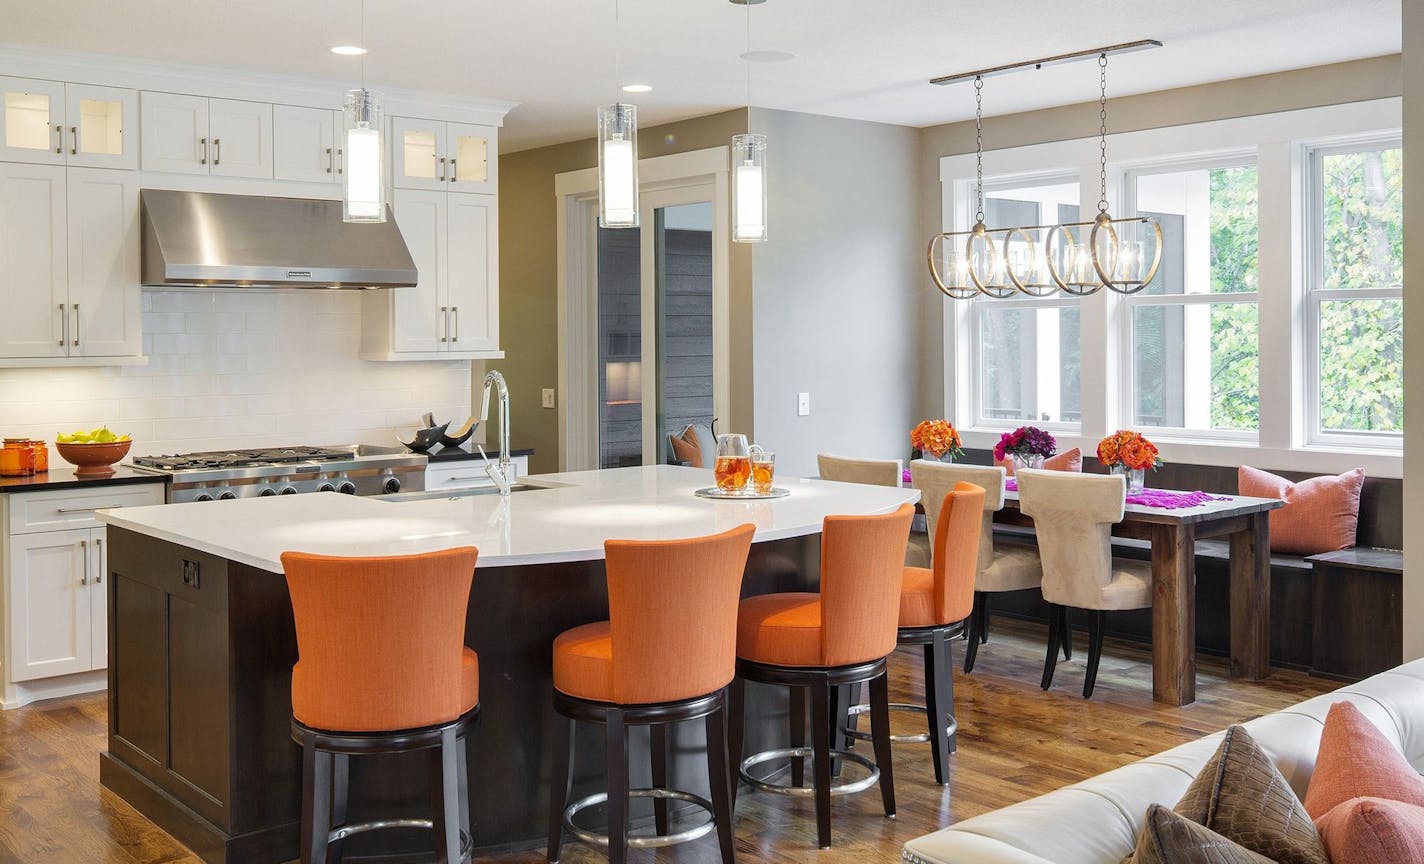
(1031, 460)
(1136, 477)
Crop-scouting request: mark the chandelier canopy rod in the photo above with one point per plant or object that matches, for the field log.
(1055, 60)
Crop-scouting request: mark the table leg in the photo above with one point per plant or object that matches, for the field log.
(1174, 614)
(1251, 599)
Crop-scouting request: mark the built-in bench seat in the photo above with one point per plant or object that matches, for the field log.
(1337, 615)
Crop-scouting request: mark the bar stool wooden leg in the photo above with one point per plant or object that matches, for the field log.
(658, 741)
(976, 625)
(798, 734)
(316, 802)
(445, 799)
(340, 787)
(617, 735)
(736, 725)
(1055, 637)
(718, 774)
(821, 757)
(560, 780)
(939, 700)
(880, 730)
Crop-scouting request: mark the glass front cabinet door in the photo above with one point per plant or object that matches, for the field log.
(48, 122)
(452, 157)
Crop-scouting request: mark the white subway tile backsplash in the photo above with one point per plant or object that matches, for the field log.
(239, 369)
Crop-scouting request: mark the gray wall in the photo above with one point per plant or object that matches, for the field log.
(836, 289)
(1413, 323)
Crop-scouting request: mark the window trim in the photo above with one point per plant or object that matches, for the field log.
(1235, 158)
(1311, 295)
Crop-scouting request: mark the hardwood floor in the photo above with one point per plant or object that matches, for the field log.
(1015, 741)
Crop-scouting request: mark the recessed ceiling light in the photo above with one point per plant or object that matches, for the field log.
(637, 88)
(767, 56)
(348, 50)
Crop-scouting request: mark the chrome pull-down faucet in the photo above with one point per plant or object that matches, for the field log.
(502, 472)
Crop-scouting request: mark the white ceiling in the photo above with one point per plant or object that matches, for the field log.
(855, 58)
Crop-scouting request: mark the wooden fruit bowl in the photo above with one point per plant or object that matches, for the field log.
(93, 460)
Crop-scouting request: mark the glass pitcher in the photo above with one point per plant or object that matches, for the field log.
(734, 463)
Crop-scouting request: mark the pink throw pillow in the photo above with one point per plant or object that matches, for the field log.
(1068, 460)
(1355, 760)
(1321, 514)
(1373, 831)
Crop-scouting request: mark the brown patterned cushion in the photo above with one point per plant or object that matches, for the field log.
(1169, 838)
(1241, 795)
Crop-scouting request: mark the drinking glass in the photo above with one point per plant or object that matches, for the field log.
(734, 464)
(763, 470)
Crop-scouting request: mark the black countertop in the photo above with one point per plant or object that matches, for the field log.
(61, 476)
(456, 454)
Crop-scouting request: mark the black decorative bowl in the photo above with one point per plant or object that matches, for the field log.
(424, 438)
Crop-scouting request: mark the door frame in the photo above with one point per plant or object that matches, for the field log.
(698, 175)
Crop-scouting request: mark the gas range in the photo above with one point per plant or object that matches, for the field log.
(226, 474)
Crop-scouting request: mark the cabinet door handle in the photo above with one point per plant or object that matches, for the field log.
(340, 161)
(444, 323)
(64, 324)
(73, 140)
(99, 563)
(84, 547)
(58, 139)
(203, 159)
(217, 151)
(330, 161)
(76, 324)
(456, 311)
(442, 169)
(454, 175)
(86, 509)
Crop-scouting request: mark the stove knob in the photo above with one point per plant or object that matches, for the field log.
(288, 490)
(204, 497)
(227, 496)
(267, 493)
(346, 488)
(391, 486)
(326, 487)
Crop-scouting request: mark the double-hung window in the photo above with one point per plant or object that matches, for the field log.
(1354, 294)
(1027, 350)
(1190, 335)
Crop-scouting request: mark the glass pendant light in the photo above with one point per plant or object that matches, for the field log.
(748, 166)
(617, 155)
(362, 112)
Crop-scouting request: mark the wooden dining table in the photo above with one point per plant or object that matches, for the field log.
(1173, 534)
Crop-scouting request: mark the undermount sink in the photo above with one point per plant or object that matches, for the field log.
(434, 494)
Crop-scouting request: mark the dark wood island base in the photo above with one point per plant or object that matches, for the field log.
(201, 651)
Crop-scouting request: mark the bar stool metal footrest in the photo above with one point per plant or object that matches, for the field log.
(843, 788)
(341, 832)
(922, 738)
(654, 842)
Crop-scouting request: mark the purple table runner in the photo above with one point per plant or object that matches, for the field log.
(1162, 499)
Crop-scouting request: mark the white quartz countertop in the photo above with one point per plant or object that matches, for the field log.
(568, 522)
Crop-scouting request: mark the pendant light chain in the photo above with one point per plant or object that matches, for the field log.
(749, 66)
(1103, 132)
(365, 49)
(979, 140)
(617, 58)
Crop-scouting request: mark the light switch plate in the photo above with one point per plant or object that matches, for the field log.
(548, 399)
(803, 404)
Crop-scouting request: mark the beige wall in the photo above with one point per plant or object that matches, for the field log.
(528, 262)
(1413, 323)
(1356, 81)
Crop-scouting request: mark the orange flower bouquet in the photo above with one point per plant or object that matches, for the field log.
(936, 437)
(1130, 453)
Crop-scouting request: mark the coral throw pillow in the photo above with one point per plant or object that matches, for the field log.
(1373, 831)
(1321, 514)
(1068, 460)
(686, 449)
(1357, 761)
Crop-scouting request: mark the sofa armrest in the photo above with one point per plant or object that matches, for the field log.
(962, 847)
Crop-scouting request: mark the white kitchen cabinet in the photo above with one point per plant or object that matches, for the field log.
(431, 154)
(103, 272)
(69, 268)
(453, 311)
(305, 144)
(34, 288)
(55, 583)
(468, 473)
(49, 122)
(197, 135)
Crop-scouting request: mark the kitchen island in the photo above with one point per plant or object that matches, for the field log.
(201, 643)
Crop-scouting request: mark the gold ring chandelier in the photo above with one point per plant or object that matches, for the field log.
(1077, 258)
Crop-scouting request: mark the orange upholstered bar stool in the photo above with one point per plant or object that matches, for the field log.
(935, 605)
(666, 654)
(815, 643)
(382, 668)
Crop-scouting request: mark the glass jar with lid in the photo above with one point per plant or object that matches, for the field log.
(17, 458)
(41, 459)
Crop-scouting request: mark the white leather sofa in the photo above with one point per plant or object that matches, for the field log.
(1096, 821)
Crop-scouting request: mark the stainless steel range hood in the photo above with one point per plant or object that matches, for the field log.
(204, 239)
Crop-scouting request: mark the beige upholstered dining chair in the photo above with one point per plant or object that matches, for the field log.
(1002, 566)
(877, 472)
(1073, 515)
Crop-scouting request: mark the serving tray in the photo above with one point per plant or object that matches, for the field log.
(718, 495)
